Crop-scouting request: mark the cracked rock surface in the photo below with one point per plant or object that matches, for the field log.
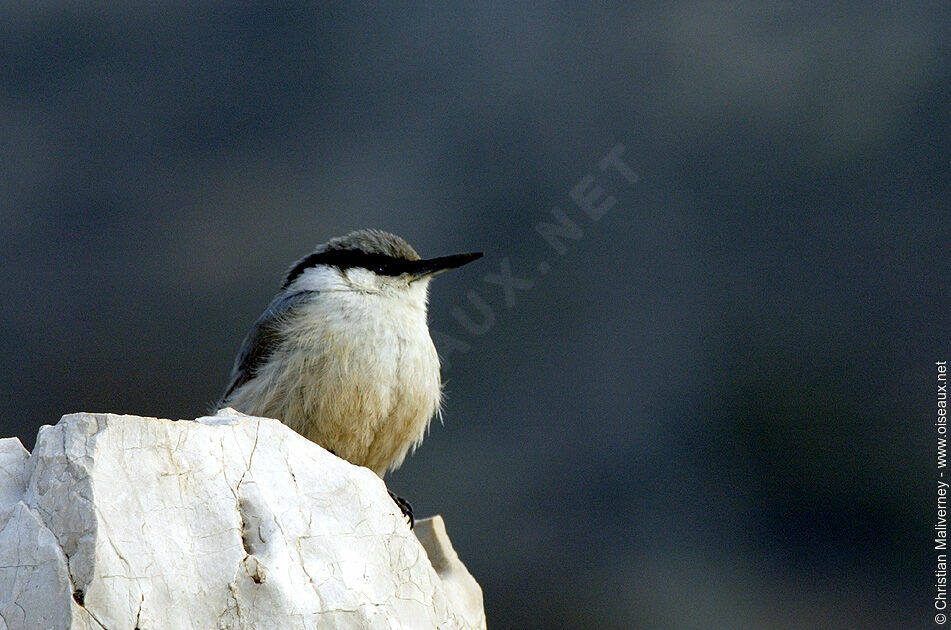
(229, 521)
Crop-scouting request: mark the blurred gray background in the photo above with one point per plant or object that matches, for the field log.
(714, 409)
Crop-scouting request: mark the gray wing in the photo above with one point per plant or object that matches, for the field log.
(262, 340)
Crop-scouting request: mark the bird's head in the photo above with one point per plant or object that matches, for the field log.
(369, 261)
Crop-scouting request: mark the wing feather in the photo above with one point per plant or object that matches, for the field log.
(262, 340)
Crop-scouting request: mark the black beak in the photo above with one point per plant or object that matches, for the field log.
(432, 266)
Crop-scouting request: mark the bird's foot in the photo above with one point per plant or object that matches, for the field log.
(404, 507)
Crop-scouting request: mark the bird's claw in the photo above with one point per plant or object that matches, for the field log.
(404, 507)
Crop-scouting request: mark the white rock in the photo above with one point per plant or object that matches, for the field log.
(227, 522)
(13, 474)
(460, 587)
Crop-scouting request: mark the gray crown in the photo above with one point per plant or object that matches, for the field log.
(372, 242)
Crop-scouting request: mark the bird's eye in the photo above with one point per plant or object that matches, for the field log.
(379, 270)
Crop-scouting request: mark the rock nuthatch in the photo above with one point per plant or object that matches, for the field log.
(343, 354)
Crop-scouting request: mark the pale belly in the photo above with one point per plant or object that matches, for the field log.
(368, 399)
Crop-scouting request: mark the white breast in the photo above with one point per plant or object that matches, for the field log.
(359, 373)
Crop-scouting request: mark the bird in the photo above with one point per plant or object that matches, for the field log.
(343, 354)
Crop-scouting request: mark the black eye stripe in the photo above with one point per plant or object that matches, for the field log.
(349, 258)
